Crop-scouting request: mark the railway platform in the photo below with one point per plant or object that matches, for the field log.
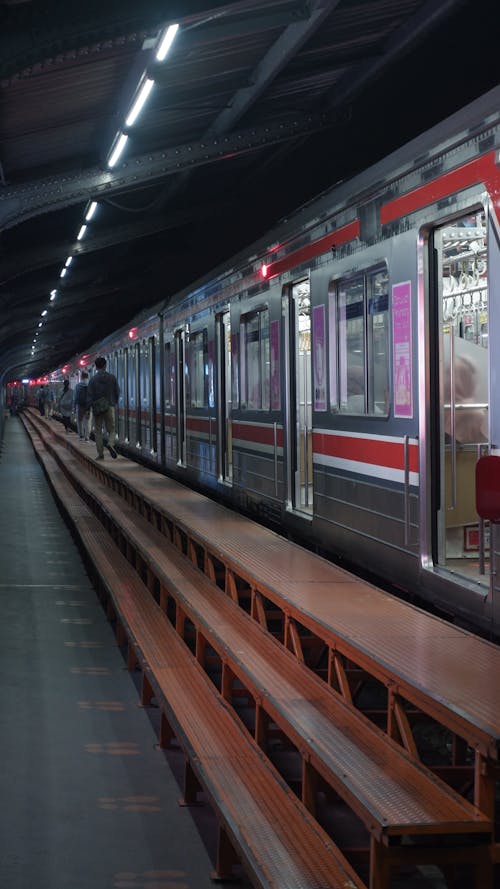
(87, 799)
(205, 534)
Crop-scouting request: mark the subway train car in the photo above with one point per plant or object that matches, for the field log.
(336, 378)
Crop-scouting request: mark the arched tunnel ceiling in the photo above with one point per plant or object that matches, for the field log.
(258, 106)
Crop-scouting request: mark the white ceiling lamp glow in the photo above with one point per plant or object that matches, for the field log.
(142, 95)
(68, 261)
(44, 312)
(166, 41)
(53, 294)
(92, 207)
(117, 149)
(63, 272)
(81, 233)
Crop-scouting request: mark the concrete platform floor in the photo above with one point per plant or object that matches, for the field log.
(87, 800)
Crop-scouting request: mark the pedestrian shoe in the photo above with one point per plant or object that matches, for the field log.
(112, 451)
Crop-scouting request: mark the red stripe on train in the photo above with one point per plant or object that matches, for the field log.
(257, 434)
(340, 236)
(482, 169)
(365, 450)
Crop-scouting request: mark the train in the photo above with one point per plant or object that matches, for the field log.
(335, 379)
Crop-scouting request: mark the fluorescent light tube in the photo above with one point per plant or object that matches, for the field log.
(117, 149)
(68, 261)
(140, 100)
(81, 233)
(63, 272)
(90, 211)
(44, 312)
(166, 42)
(53, 294)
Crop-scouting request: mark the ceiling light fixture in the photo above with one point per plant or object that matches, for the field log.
(68, 261)
(92, 207)
(166, 42)
(117, 149)
(63, 272)
(53, 294)
(81, 233)
(44, 312)
(142, 95)
(40, 323)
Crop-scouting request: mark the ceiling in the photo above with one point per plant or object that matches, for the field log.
(258, 106)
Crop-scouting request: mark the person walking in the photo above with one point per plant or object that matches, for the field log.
(103, 393)
(42, 398)
(49, 403)
(81, 408)
(66, 405)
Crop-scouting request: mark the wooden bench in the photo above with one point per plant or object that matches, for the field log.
(418, 659)
(262, 823)
(394, 796)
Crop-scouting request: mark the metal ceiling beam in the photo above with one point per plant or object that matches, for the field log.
(414, 29)
(275, 60)
(21, 202)
(232, 27)
(33, 33)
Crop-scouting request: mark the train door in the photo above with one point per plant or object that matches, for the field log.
(120, 412)
(224, 403)
(125, 394)
(132, 389)
(156, 396)
(180, 363)
(144, 400)
(297, 311)
(170, 400)
(461, 397)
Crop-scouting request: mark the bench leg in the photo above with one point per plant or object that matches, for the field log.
(146, 691)
(121, 636)
(261, 727)
(132, 659)
(166, 733)
(163, 598)
(226, 858)
(484, 869)
(309, 786)
(227, 682)
(191, 787)
(380, 866)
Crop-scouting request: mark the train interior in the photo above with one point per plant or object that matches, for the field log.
(463, 541)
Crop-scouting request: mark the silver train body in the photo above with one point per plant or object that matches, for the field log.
(341, 377)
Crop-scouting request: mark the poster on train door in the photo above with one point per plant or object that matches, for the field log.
(402, 350)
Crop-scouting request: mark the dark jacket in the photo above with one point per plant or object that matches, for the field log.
(103, 385)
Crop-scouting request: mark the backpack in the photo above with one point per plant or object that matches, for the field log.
(81, 395)
(101, 405)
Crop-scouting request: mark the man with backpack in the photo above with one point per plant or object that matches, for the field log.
(102, 394)
(81, 406)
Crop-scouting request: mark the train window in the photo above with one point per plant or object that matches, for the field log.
(144, 374)
(198, 369)
(169, 375)
(255, 361)
(131, 382)
(359, 337)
